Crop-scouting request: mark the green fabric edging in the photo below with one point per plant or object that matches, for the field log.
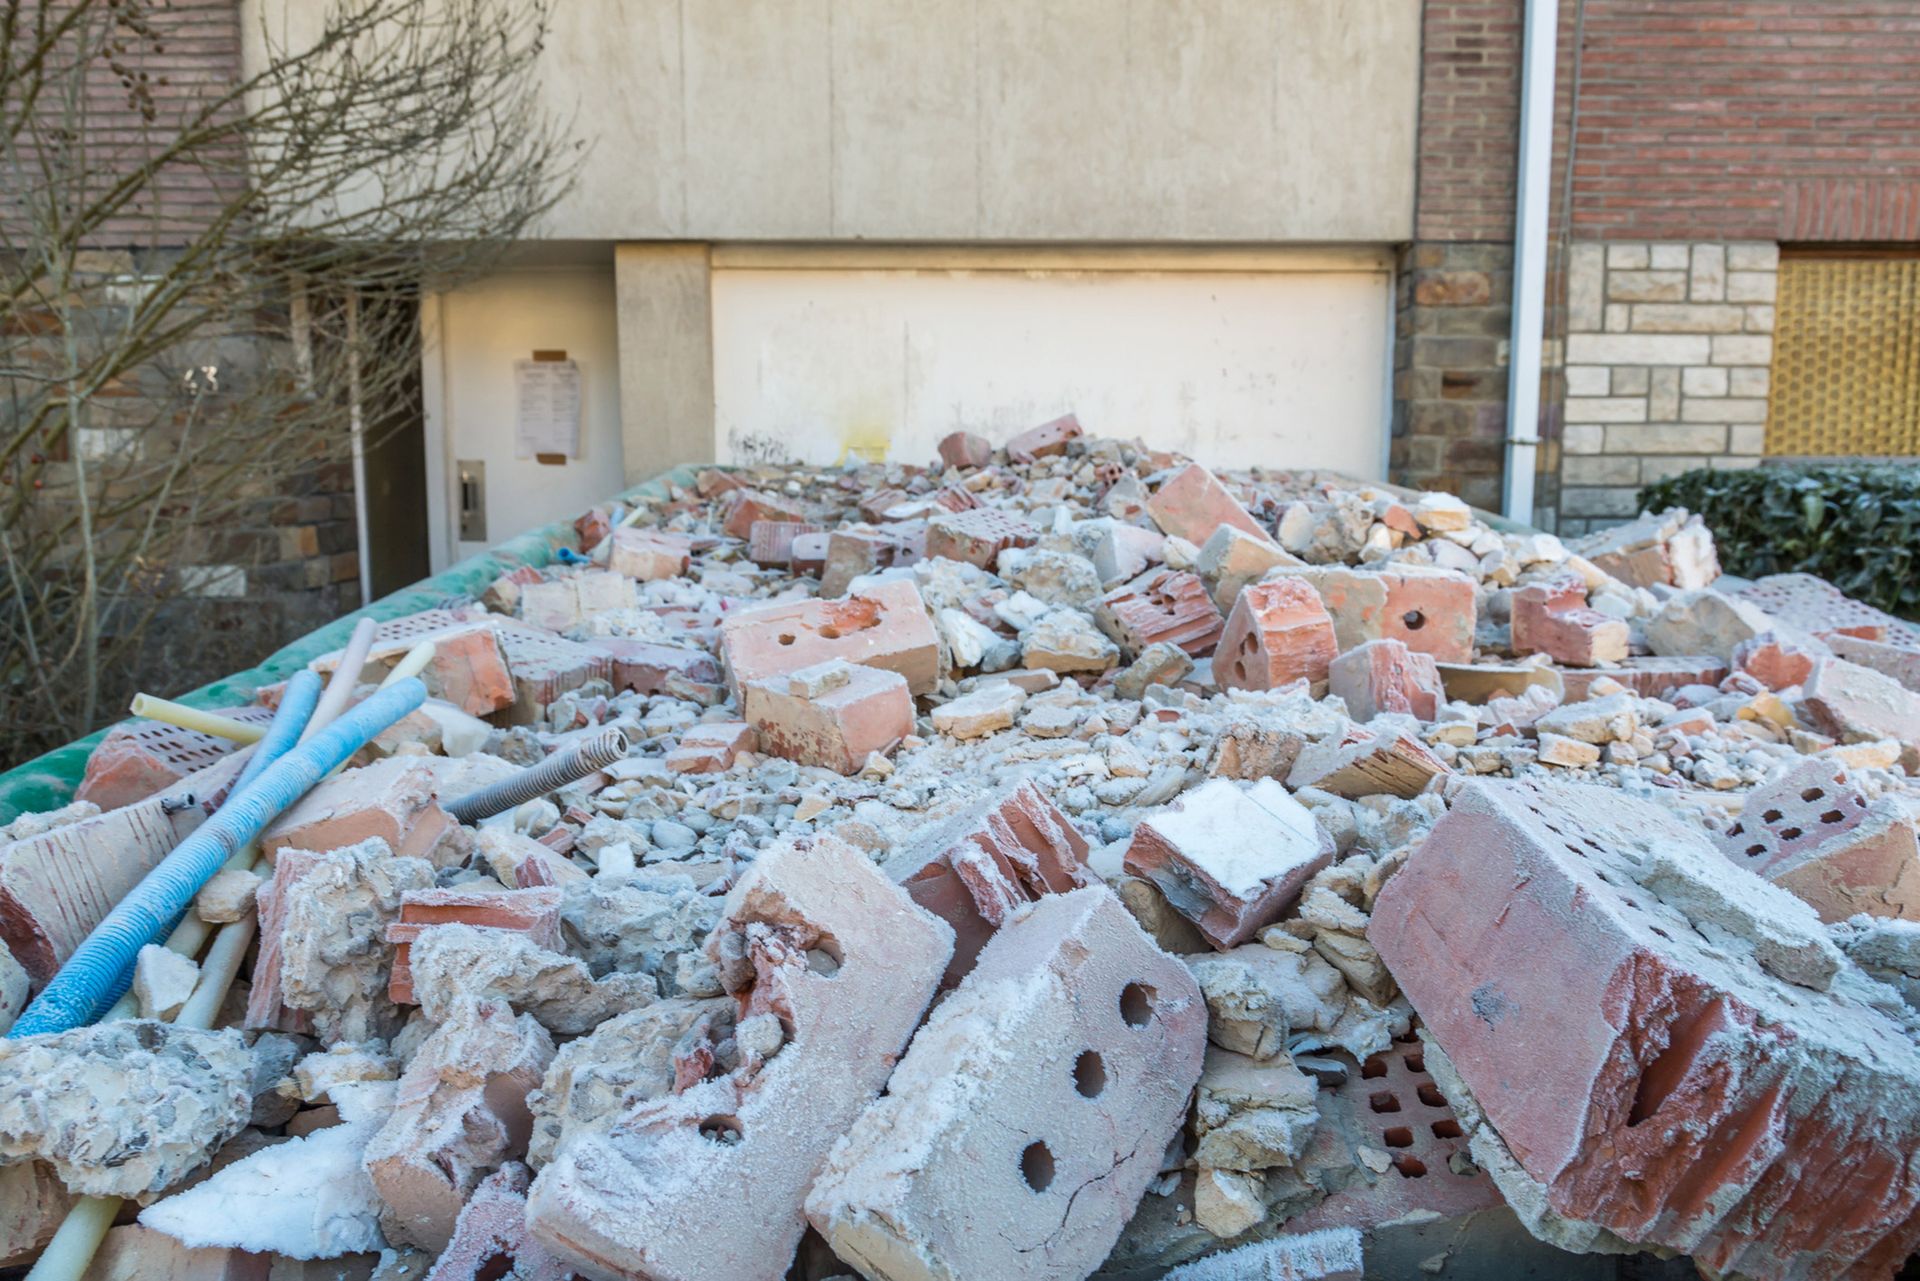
(48, 781)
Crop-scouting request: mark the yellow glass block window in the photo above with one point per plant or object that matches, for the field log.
(1846, 358)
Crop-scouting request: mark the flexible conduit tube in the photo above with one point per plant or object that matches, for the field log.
(161, 709)
(570, 766)
(80, 990)
(345, 677)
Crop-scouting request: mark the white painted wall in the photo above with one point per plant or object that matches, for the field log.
(476, 334)
(1271, 367)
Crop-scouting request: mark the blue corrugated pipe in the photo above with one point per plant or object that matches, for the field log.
(80, 992)
(297, 704)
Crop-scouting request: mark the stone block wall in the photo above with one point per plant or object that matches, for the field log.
(1667, 355)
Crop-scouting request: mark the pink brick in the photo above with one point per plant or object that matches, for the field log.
(1673, 1089)
(1367, 764)
(55, 887)
(1646, 675)
(460, 1113)
(533, 912)
(974, 868)
(1278, 633)
(744, 506)
(469, 667)
(265, 1010)
(964, 449)
(1192, 503)
(1854, 704)
(1898, 661)
(1038, 1099)
(770, 542)
(1553, 618)
(138, 758)
(492, 1230)
(543, 667)
(709, 1182)
(977, 536)
(833, 714)
(392, 799)
(1385, 676)
(1430, 611)
(649, 668)
(1046, 439)
(1810, 603)
(1230, 859)
(649, 554)
(592, 527)
(1812, 831)
(1172, 606)
(885, 627)
(810, 553)
(1773, 661)
(712, 748)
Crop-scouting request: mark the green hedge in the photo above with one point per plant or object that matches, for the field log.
(1855, 525)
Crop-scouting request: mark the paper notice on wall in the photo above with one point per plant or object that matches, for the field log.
(548, 419)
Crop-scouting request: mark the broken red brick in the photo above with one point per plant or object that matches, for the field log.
(1230, 859)
(1644, 1076)
(833, 714)
(1649, 676)
(712, 747)
(1814, 832)
(1774, 661)
(975, 867)
(1553, 618)
(1898, 661)
(956, 498)
(593, 527)
(1430, 610)
(854, 551)
(1368, 764)
(646, 668)
(810, 553)
(964, 449)
(533, 912)
(1169, 605)
(492, 1231)
(744, 506)
(1046, 439)
(139, 758)
(770, 542)
(392, 799)
(649, 554)
(1857, 704)
(977, 536)
(544, 667)
(875, 506)
(1041, 1096)
(1385, 676)
(1278, 633)
(816, 933)
(1809, 603)
(1192, 503)
(265, 1010)
(469, 667)
(885, 627)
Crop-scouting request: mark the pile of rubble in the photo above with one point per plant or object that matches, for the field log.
(1061, 861)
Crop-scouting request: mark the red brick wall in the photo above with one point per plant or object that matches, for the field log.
(1469, 119)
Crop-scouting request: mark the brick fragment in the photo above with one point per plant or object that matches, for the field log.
(647, 668)
(1662, 1045)
(139, 758)
(977, 536)
(544, 667)
(1814, 832)
(1773, 661)
(492, 1230)
(1278, 633)
(1647, 675)
(1038, 1098)
(885, 627)
(1368, 765)
(709, 1181)
(1809, 603)
(1166, 605)
(592, 527)
(1329, 1254)
(854, 551)
(1231, 558)
(532, 912)
(964, 449)
(56, 886)
(1898, 661)
(1553, 618)
(1047, 439)
(649, 554)
(1192, 503)
(810, 553)
(460, 1112)
(135, 1253)
(1230, 859)
(393, 800)
(744, 506)
(570, 598)
(469, 667)
(770, 542)
(973, 869)
(875, 506)
(1430, 610)
(712, 747)
(265, 1009)
(1857, 704)
(832, 714)
(1385, 676)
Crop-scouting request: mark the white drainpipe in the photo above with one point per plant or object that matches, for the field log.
(1530, 256)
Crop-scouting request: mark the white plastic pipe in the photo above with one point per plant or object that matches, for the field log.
(412, 664)
(1539, 52)
(345, 678)
(357, 426)
(150, 708)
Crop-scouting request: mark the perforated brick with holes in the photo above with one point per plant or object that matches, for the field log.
(886, 627)
(1172, 606)
(1812, 604)
(1390, 1106)
(1672, 1053)
(140, 758)
(1278, 633)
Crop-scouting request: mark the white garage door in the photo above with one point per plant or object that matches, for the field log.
(1281, 363)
